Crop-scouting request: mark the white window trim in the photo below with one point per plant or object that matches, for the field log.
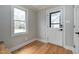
(12, 21)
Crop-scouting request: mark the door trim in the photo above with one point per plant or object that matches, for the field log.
(75, 16)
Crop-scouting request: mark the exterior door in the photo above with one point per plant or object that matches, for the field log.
(55, 28)
(76, 28)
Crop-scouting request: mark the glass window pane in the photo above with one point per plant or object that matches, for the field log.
(19, 14)
(19, 27)
(55, 18)
(19, 21)
(56, 26)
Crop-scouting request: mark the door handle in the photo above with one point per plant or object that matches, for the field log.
(77, 33)
(61, 29)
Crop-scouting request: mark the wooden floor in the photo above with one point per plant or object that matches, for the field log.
(38, 47)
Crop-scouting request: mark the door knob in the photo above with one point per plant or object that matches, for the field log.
(77, 33)
(61, 29)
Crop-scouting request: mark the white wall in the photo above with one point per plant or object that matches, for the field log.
(5, 28)
(69, 23)
(42, 24)
(68, 17)
(35, 28)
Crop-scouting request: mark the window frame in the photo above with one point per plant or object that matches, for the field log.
(12, 20)
(60, 25)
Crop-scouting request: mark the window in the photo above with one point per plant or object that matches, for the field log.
(55, 19)
(19, 21)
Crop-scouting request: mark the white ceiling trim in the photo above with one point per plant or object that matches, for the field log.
(39, 7)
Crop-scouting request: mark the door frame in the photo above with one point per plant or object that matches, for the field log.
(75, 11)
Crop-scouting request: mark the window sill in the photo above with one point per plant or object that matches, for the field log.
(19, 34)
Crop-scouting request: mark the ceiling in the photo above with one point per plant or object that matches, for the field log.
(39, 7)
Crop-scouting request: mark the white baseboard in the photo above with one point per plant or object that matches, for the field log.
(42, 40)
(70, 48)
(21, 45)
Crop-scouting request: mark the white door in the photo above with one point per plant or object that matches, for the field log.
(76, 29)
(55, 28)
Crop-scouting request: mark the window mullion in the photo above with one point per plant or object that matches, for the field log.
(20, 20)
